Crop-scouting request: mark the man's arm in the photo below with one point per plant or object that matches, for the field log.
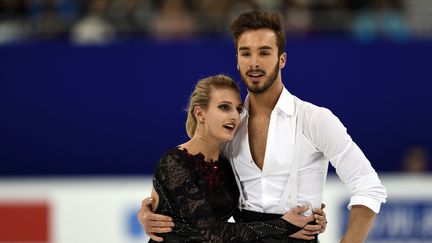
(153, 223)
(360, 222)
(329, 135)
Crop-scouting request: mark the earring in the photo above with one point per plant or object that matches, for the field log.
(206, 128)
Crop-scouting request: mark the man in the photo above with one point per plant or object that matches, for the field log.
(282, 147)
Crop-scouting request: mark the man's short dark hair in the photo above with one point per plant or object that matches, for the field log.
(256, 20)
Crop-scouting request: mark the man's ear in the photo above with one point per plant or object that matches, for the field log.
(282, 60)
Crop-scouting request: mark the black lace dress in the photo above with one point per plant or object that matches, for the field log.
(201, 196)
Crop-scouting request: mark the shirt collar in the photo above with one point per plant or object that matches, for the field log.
(284, 104)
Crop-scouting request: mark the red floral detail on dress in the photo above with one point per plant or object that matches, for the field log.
(208, 170)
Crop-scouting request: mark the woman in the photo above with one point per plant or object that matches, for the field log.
(196, 187)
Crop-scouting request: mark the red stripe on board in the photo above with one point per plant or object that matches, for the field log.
(24, 221)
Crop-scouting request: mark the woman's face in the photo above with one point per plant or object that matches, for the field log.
(223, 114)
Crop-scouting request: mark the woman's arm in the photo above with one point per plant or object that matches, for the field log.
(190, 202)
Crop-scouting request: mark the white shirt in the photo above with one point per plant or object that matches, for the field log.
(324, 139)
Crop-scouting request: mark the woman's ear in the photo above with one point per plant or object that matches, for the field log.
(199, 113)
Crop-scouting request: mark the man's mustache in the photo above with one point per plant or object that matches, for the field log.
(255, 71)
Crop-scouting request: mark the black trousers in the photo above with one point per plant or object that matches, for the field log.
(247, 216)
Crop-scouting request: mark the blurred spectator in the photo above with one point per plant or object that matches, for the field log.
(274, 5)
(51, 19)
(143, 11)
(94, 28)
(332, 17)
(381, 19)
(419, 17)
(131, 17)
(120, 12)
(416, 160)
(173, 20)
(212, 16)
(13, 27)
(102, 21)
(238, 7)
(299, 17)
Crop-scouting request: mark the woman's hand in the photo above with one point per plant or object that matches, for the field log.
(295, 216)
(309, 229)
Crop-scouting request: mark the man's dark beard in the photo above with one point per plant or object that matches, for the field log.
(267, 83)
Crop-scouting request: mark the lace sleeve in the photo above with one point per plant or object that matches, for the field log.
(181, 188)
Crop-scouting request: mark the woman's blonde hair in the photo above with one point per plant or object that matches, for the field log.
(201, 97)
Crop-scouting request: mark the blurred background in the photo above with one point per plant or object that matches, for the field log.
(93, 91)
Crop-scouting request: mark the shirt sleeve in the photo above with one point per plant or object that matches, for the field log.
(353, 168)
(191, 203)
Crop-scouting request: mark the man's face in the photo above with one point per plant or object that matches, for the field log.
(258, 60)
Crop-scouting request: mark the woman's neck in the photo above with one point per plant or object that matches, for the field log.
(209, 149)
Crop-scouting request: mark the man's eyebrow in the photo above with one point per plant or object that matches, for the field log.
(244, 48)
(265, 48)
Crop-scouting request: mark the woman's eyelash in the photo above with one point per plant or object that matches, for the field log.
(224, 107)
